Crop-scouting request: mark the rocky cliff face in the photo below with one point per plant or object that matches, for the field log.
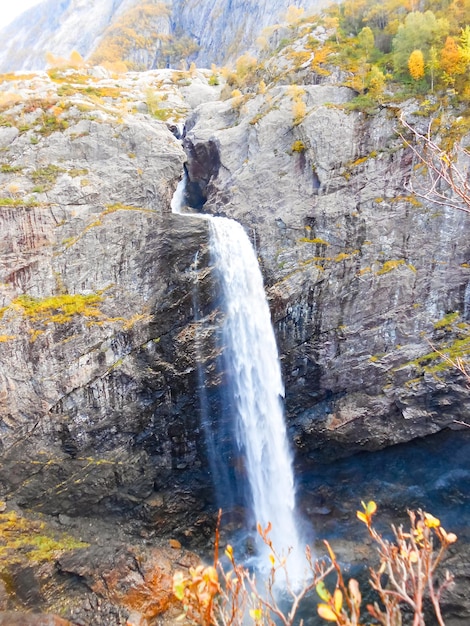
(108, 317)
(56, 26)
(226, 29)
(360, 273)
(97, 353)
(99, 345)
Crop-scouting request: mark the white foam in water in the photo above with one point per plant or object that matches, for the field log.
(177, 202)
(258, 390)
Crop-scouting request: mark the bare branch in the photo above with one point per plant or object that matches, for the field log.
(448, 184)
(458, 363)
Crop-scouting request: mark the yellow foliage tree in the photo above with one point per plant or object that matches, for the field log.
(320, 59)
(136, 31)
(376, 82)
(76, 59)
(452, 61)
(299, 110)
(465, 44)
(245, 65)
(295, 92)
(416, 65)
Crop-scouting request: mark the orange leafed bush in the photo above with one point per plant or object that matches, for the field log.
(405, 577)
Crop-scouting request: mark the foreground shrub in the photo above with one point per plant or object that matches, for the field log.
(404, 579)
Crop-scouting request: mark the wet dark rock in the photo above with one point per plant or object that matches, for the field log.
(26, 587)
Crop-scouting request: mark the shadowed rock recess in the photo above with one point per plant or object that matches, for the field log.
(108, 313)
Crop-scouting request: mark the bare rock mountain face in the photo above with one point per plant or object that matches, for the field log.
(56, 26)
(142, 33)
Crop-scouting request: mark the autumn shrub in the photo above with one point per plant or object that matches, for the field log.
(299, 108)
(156, 107)
(246, 66)
(405, 578)
(237, 99)
(298, 146)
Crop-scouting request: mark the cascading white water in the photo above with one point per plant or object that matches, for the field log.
(177, 202)
(255, 378)
(251, 363)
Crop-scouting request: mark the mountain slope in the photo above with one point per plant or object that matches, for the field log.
(212, 31)
(227, 28)
(58, 26)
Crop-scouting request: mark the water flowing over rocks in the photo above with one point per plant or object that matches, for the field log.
(102, 340)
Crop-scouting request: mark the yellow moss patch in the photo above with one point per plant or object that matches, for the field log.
(47, 175)
(128, 323)
(388, 266)
(59, 309)
(447, 320)
(11, 202)
(411, 199)
(298, 146)
(318, 240)
(22, 538)
(112, 208)
(359, 161)
(59, 76)
(11, 76)
(5, 338)
(448, 354)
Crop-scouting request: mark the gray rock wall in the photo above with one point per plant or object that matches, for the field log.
(225, 29)
(358, 269)
(98, 382)
(222, 29)
(109, 313)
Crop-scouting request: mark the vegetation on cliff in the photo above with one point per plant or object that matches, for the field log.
(141, 39)
(383, 50)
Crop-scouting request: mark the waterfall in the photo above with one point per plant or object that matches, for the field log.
(255, 389)
(255, 384)
(178, 199)
(466, 303)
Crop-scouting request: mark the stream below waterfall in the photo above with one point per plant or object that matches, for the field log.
(432, 473)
